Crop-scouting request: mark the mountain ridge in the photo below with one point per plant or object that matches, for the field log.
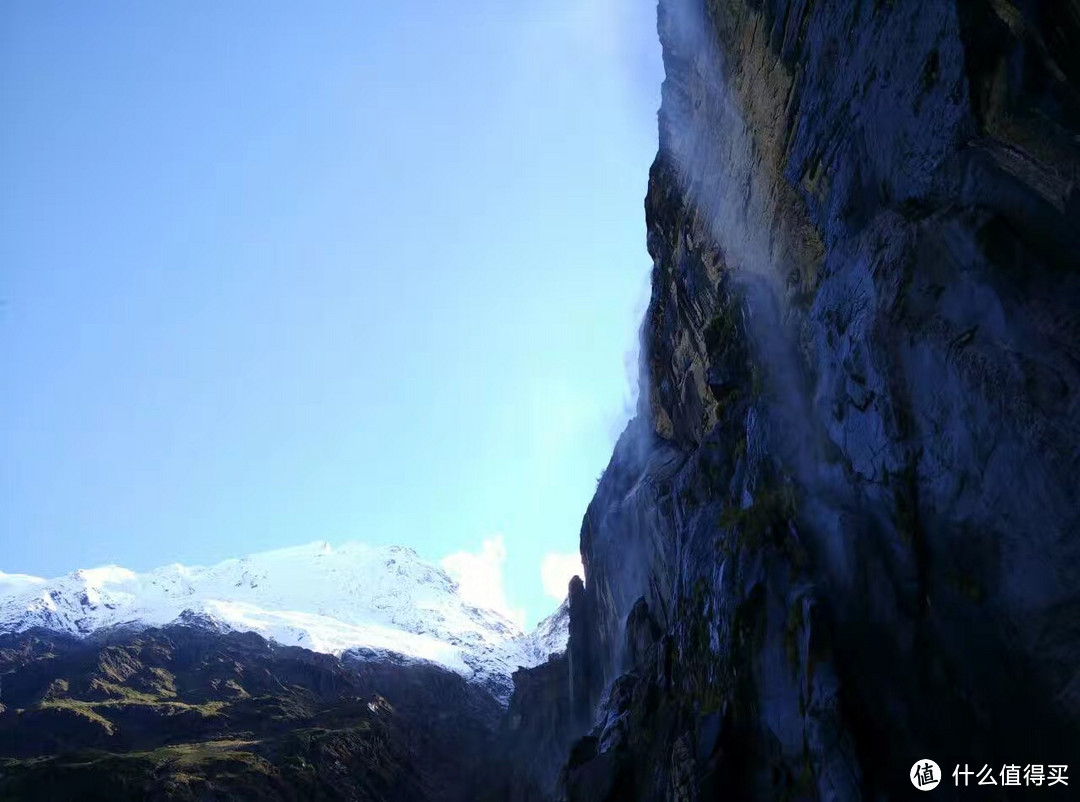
(367, 602)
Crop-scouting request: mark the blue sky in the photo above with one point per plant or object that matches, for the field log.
(274, 272)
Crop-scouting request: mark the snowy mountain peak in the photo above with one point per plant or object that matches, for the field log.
(364, 600)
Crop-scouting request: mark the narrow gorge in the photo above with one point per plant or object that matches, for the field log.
(840, 535)
(843, 532)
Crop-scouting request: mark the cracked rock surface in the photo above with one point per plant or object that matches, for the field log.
(843, 532)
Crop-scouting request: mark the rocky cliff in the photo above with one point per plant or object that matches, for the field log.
(843, 532)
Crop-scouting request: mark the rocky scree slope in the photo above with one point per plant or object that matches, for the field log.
(843, 532)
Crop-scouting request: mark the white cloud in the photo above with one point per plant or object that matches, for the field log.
(556, 571)
(480, 578)
(14, 584)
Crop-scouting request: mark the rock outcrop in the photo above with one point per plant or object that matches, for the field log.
(843, 533)
(536, 731)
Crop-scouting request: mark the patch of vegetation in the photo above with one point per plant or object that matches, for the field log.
(771, 509)
(224, 755)
(122, 693)
(82, 709)
(94, 774)
(697, 658)
(92, 709)
(163, 682)
(738, 450)
(710, 468)
(720, 333)
(747, 633)
(236, 689)
(792, 629)
(58, 687)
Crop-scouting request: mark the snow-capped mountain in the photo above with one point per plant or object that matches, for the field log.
(550, 635)
(364, 601)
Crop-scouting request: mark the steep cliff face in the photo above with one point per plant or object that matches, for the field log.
(844, 531)
(535, 732)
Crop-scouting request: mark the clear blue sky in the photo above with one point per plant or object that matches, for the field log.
(275, 272)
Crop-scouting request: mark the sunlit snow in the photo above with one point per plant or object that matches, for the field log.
(334, 600)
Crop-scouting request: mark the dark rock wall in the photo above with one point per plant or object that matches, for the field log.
(536, 731)
(843, 532)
